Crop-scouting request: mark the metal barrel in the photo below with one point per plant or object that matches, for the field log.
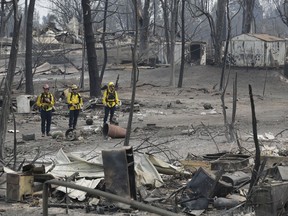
(114, 131)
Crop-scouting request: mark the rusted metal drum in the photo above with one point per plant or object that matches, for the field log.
(114, 131)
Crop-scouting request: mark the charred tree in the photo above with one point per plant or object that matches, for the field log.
(29, 89)
(220, 29)
(4, 116)
(104, 42)
(155, 10)
(5, 14)
(134, 72)
(222, 79)
(230, 132)
(173, 30)
(257, 161)
(283, 11)
(248, 7)
(217, 25)
(165, 8)
(144, 21)
(180, 81)
(94, 80)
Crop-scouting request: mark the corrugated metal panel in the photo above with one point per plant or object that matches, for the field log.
(244, 37)
(77, 194)
(253, 37)
(266, 37)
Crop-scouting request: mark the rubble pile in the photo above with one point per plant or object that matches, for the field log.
(213, 183)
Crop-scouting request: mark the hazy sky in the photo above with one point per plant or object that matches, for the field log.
(41, 6)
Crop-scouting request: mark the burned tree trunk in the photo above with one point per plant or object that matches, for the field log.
(174, 21)
(5, 14)
(165, 8)
(9, 79)
(180, 81)
(104, 42)
(134, 71)
(94, 80)
(230, 130)
(248, 7)
(28, 54)
(219, 30)
(144, 21)
(217, 25)
(255, 173)
(222, 79)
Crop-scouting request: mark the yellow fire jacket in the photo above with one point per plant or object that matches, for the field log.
(110, 98)
(74, 101)
(45, 101)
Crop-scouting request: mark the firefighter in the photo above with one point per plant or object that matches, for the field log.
(75, 104)
(45, 102)
(110, 100)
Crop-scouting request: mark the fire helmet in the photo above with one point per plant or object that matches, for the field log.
(74, 87)
(46, 86)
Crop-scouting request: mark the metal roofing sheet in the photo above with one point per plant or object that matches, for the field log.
(266, 37)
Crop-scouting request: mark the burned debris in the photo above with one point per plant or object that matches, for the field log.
(123, 180)
(150, 175)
